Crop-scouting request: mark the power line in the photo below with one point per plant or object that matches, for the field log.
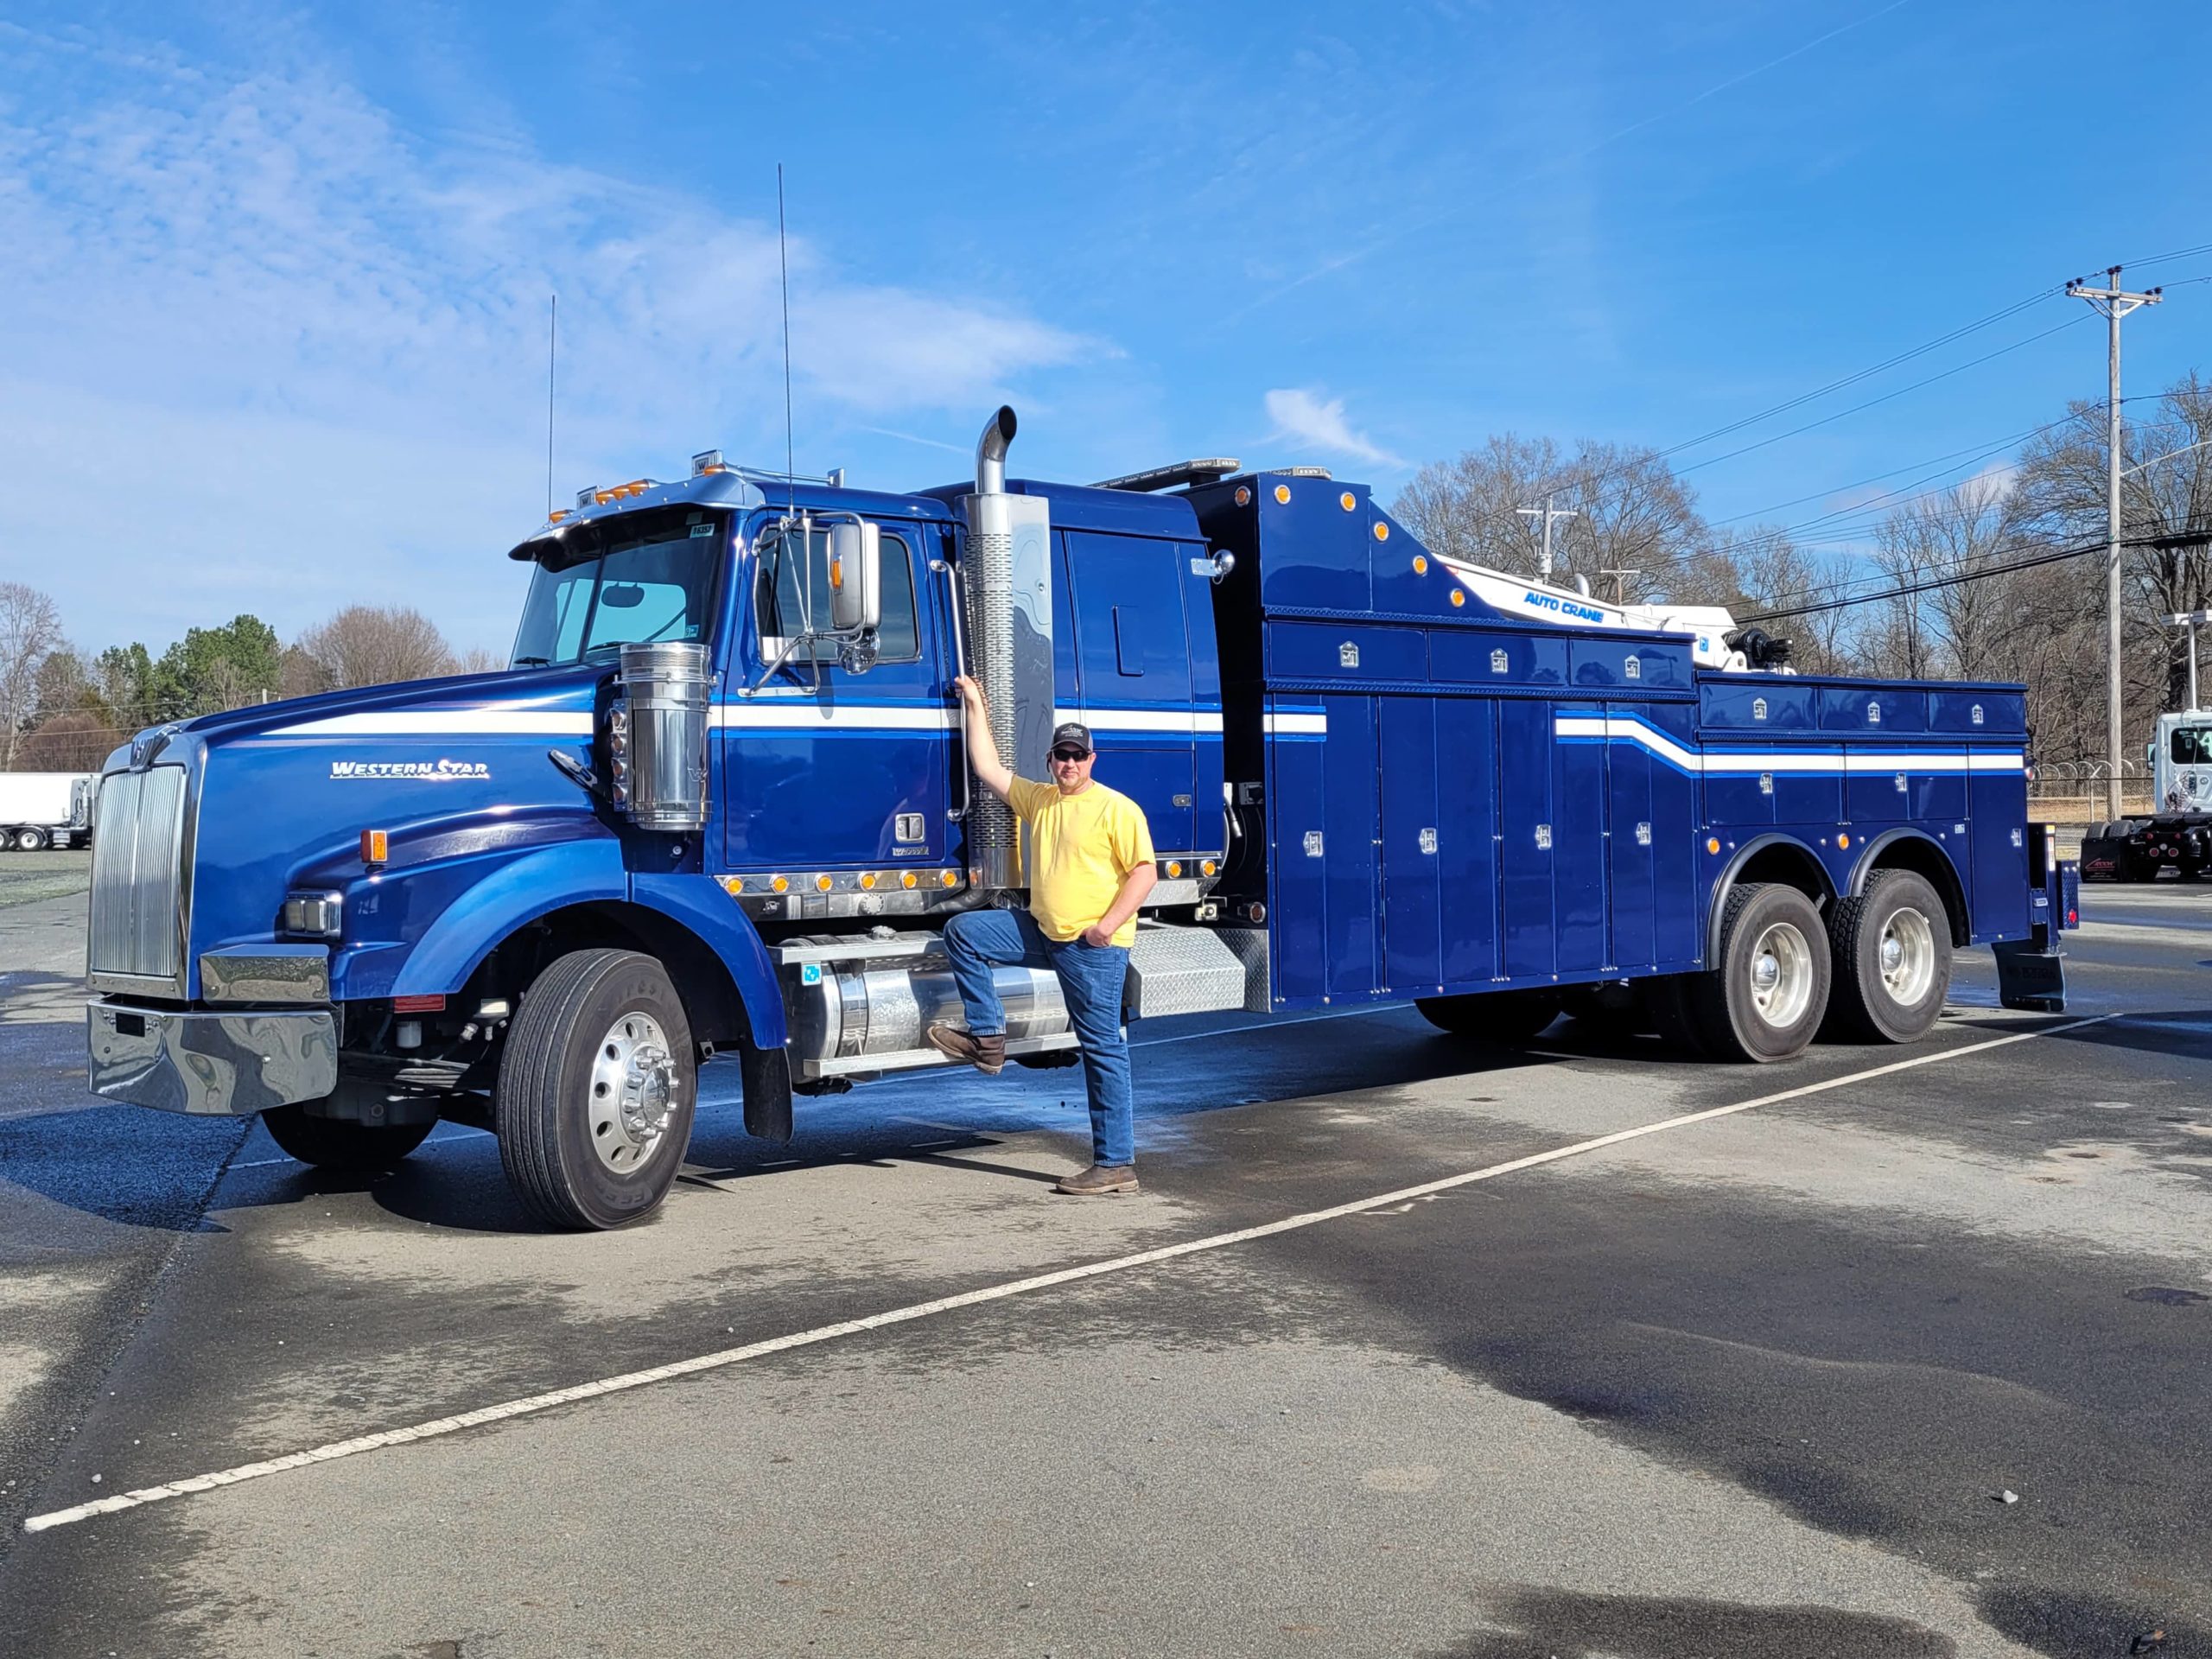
(1905, 590)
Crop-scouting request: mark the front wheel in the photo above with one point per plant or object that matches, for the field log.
(1491, 1016)
(1891, 949)
(595, 1099)
(1768, 994)
(341, 1143)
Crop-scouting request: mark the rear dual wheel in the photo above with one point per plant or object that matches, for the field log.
(1768, 992)
(1891, 957)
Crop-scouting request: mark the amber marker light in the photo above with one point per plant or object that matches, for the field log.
(1206, 868)
(1843, 841)
(947, 878)
(1421, 564)
(908, 879)
(1282, 494)
(779, 883)
(1458, 598)
(1347, 501)
(868, 882)
(733, 885)
(376, 847)
(822, 884)
(1382, 531)
(1713, 844)
(1174, 866)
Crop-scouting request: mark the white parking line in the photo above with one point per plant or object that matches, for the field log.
(530, 1404)
(1267, 1025)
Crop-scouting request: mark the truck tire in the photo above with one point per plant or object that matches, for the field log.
(340, 1143)
(1892, 967)
(1769, 992)
(30, 840)
(594, 1103)
(1507, 1017)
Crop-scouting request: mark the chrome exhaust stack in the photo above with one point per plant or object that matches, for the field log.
(1008, 574)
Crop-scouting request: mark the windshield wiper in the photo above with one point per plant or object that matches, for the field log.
(530, 662)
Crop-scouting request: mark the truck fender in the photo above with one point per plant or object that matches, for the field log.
(543, 879)
(1804, 862)
(1926, 856)
(698, 903)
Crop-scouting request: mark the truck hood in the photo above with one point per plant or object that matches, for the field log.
(453, 771)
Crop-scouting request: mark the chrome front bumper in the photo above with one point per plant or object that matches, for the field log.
(211, 1064)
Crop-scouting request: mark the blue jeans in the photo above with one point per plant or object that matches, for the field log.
(1090, 982)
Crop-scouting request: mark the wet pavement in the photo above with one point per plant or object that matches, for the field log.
(1757, 1381)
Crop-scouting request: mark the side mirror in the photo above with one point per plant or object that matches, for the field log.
(855, 576)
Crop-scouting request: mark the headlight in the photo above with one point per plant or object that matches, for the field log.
(314, 915)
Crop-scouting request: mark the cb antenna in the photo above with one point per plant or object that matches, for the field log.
(552, 343)
(784, 276)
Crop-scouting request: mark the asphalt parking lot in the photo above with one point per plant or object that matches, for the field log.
(1388, 1358)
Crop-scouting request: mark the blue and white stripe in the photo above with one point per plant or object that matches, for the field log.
(1802, 761)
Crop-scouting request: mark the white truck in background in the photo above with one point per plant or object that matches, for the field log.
(40, 810)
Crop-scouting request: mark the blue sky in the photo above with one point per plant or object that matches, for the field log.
(276, 282)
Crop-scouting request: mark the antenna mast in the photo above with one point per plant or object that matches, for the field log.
(784, 277)
(552, 344)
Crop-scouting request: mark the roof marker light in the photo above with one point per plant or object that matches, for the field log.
(1282, 494)
(1243, 495)
(1347, 501)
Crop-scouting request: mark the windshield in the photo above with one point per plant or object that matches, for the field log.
(648, 578)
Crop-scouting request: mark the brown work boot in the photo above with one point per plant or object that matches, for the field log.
(1099, 1180)
(986, 1054)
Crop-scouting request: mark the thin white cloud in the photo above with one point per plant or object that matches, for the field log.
(314, 343)
(1308, 417)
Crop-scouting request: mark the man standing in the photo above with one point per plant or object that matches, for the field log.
(1090, 865)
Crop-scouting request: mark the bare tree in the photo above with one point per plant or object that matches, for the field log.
(2165, 490)
(30, 627)
(479, 659)
(77, 742)
(1762, 569)
(366, 644)
(1631, 511)
(1965, 628)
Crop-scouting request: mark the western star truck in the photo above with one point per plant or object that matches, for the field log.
(40, 810)
(718, 805)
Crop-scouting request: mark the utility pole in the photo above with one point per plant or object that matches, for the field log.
(2114, 303)
(1547, 513)
(1620, 582)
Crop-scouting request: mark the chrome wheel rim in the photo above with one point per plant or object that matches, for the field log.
(632, 1092)
(1781, 975)
(1907, 956)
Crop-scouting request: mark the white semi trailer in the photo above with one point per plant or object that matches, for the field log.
(40, 810)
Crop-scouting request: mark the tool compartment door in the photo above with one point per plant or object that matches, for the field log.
(1324, 883)
(1409, 762)
(1467, 838)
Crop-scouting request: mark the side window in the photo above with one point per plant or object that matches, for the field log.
(793, 583)
(899, 638)
(2192, 745)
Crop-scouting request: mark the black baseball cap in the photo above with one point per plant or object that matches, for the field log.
(1073, 734)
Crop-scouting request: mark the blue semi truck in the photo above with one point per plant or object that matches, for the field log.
(718, 805)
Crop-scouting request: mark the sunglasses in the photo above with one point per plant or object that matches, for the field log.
(1071, 754)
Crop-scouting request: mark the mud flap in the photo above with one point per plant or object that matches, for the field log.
(2027, 978)
(767, 1077)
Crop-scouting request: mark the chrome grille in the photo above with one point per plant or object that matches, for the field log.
(136, 874)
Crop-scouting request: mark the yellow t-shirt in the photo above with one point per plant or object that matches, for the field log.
(1081, 849)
